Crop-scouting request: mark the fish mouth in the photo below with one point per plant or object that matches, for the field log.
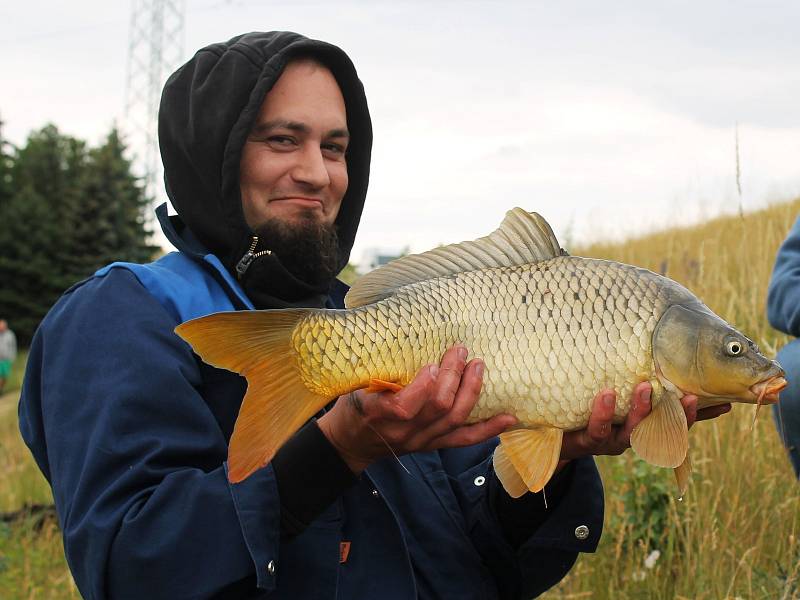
(768, 390)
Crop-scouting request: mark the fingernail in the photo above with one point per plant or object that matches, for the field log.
(646, 394)
(479, 368)
(462, 353)
(434, 371)
(608, 400)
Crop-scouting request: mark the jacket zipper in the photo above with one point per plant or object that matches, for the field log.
(249, 257)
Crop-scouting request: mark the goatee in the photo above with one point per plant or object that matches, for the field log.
(306, 247)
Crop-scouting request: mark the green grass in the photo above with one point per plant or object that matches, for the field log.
(32, 563)
(14, 382)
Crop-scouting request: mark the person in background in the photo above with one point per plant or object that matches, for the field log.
(783, 312)
(8, 352)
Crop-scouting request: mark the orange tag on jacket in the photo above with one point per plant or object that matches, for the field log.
(344, 551)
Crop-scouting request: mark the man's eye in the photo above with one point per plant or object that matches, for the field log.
(332, 148)
(281, 141)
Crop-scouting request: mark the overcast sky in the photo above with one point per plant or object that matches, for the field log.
(608, 118)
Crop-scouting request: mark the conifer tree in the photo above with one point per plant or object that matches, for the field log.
(108, 223)
(6, 165)
(69, 211)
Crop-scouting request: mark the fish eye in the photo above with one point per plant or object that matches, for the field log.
(734, 347)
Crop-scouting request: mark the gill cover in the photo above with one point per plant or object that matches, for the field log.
(699, 353)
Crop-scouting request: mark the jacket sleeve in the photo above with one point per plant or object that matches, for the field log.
(569, 524)
(783, 295)
(113, 413)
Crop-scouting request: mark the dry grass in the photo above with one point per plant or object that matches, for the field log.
(21, 481)
(32, 563)
(735, 535)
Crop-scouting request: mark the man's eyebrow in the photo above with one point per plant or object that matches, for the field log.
(267, 126)
(338, 133)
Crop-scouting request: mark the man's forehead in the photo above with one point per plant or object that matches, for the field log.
(306, 97)
(269, 125)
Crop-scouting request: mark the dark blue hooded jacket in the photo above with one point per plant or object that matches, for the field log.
(131, 428)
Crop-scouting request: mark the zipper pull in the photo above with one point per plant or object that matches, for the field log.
(244, 262)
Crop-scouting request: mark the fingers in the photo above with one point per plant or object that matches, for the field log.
(464, 401)
(599, 427)
(469, 390)
(712, 411)
(408, 402)
(431, 393)
(597, 432)
(640, 408)
(689, 402)
(466, 435)
(437, 401)
(600, 435)
(451, 370)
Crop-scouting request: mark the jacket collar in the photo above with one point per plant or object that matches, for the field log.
(184, 240)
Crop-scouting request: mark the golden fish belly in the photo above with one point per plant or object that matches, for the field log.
(552, 335)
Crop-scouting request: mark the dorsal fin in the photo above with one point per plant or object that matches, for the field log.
(522, 238)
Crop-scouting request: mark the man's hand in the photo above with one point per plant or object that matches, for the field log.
(427, 414)
(602, 437)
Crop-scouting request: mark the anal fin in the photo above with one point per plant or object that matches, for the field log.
(507, 474)
(527, 457)
(380, 385)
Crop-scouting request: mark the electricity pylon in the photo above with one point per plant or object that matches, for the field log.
(155, 49)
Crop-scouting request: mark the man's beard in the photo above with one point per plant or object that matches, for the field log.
(307, 248)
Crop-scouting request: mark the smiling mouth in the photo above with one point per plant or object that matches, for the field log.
(300, 200)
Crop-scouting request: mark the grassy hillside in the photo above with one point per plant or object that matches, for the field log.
(734, 535)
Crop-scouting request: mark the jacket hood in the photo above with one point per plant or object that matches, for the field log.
(207, 110)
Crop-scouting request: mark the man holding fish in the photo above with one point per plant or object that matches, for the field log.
(386, 492)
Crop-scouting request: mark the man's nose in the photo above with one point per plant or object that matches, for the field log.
(311, 168)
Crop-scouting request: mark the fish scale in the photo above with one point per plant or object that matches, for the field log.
(530, 324)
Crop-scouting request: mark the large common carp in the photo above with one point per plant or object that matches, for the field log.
(553, 331)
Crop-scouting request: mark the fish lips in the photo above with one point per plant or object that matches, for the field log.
(768, 390)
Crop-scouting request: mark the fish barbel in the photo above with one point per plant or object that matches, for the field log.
(552, 329)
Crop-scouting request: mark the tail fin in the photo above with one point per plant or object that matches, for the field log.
(257, 345)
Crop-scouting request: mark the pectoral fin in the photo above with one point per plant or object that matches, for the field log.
(662, 438)
(526, 458)
(683, 474)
